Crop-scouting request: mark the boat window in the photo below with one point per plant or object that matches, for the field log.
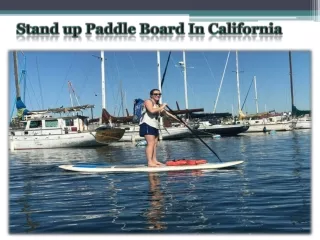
(51, 123)
(35, 124)
(69, 122)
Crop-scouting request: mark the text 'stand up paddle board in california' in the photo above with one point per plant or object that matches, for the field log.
(103, 168)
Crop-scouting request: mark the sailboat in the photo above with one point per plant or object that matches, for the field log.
(211, 122)
(106, 133)
(266, 121)
(301, 119)
(40, 130)
(260, 122)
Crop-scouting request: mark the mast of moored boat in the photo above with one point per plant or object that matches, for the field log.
(185, 79)
(103, 93)
(238, 84)
(16, 78)
(291, 84)
(225, 67)
(159, 85)
(256, 94)
(159, 74)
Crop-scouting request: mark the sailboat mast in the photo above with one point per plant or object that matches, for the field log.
(103, 90)
(291, 83)
(159, 86)
(121, 93)
(215, 104)
(16, 78)
(185, 79)
(238, 86)
(159, 74)
(255, 89)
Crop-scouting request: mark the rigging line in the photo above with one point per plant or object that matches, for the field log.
(30, 100)
(83, 85)
(115, 104)
(247, 95)
(39, 82)
(63, 84)
(116, 101)
(135, 69)
(111, 79)
(174, 63)
(86, 78)
(34, 93)
(180, 71)
(74, 93)
(205, 58)
(125, 99)
(119, 93)
(118, 73)
(188, 84)
(115, 59)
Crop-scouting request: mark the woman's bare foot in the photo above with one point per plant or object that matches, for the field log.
(153, 165)
(157, 162)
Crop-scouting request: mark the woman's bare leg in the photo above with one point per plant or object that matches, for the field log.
(154, 155)
(151, 140)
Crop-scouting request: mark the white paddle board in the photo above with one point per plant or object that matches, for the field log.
(103, 168)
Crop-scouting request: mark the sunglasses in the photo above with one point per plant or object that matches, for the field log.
(157, 94)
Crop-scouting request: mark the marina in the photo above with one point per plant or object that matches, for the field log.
(81, 168)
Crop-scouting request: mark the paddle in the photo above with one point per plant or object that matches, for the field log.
(193, 132)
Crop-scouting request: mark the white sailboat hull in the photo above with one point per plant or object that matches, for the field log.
(23, 142)
(303, 125)
(170, 133)
(270, 127)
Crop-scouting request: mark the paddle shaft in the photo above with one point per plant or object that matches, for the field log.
(163, 77)
(194, 133)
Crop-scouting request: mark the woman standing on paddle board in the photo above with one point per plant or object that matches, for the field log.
(149, 125)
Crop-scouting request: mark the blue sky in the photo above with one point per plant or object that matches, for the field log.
(48, 73)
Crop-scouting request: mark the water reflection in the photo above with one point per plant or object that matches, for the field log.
(57, 156)
(269, 192)
(26, 208)
(156, 209)
(300, 160)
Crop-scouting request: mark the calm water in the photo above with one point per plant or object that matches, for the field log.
(269, 193)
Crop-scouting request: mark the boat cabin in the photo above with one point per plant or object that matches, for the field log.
(48, 125)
